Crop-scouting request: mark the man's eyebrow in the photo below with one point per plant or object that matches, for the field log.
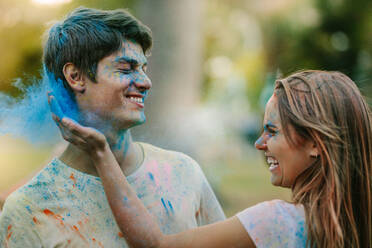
(125, 59)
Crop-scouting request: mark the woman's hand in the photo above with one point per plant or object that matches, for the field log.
(87, 139)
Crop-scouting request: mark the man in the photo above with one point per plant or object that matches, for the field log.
(99, 59)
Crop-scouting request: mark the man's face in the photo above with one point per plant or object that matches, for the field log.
(117, 98)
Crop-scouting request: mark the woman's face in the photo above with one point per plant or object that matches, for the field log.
(286, 162)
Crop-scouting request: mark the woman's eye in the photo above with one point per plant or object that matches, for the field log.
(272, 132)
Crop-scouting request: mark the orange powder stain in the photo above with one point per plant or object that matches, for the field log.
(9, 235)
(76, 229)
(57, 217)
(99, 243)
(48, 212)
(73, 179)
(69, 241)
(120, 234)
(36, 221)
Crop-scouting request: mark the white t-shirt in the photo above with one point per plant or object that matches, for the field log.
(63, 207)
(275, 224)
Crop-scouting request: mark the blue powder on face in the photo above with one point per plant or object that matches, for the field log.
(29, 116)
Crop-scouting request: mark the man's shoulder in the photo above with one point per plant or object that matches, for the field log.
(155, 150)
(37, 189)
(17, 205)
(170, 157)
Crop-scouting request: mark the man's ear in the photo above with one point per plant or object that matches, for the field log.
(74, 78)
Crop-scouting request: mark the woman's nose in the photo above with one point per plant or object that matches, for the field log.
(260, 143)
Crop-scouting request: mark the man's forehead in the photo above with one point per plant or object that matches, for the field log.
(132, 50)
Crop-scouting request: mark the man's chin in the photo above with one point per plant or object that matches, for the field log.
(134, 122)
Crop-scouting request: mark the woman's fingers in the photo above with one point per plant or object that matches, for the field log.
(90, 135)
(54, 106)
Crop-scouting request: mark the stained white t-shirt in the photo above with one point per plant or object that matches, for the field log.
(63, 207)
(275, 224)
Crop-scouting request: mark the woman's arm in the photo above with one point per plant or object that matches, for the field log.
(140, 229)
(132, 217)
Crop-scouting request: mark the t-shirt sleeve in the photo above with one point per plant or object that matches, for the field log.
(210, 210)
(275, 224)
(16, 224)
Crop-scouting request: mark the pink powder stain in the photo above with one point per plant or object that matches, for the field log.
(166, 171)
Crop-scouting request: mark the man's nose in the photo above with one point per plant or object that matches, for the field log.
(142, 81)
(260, 143)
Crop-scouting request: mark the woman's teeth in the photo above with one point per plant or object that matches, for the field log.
(273, 163)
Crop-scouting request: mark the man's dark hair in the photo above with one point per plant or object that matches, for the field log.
(88, 35)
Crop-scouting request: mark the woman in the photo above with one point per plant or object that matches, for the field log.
(317, 139)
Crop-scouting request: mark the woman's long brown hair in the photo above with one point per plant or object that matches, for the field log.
(328, 108)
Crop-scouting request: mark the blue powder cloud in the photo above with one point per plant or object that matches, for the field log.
(29, 116)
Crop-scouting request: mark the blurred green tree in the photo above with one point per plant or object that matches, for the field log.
(337, 36)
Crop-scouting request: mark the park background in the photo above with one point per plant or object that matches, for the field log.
(213, 66)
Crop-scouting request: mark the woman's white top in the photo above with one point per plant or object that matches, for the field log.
(275, 224)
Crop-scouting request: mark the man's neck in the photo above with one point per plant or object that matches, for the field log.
(128, 154)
